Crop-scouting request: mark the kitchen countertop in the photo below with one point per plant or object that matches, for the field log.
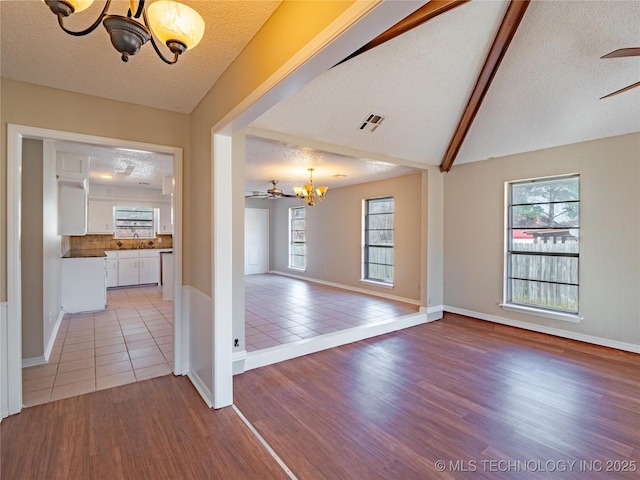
(159, 249)
(84, 253)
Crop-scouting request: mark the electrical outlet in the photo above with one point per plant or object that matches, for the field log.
(159, 239)
(95, 241)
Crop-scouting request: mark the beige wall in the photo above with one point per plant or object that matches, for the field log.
(32, 249)
(610, 233)
(334, 235)
(26, 104)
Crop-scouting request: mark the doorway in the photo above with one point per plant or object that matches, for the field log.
(16, 134)
(256, 241)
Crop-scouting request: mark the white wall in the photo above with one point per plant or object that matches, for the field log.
(609, 241)
(51, 242)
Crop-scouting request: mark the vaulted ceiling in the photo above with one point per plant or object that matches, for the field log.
(545, 93)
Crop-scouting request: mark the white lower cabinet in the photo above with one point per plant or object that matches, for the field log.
(128, 271)
(112, 269)
(149, 267)
(135, 267)
(83, 284)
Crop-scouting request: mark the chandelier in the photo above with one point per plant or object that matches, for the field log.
(309, 194)
(178, 26)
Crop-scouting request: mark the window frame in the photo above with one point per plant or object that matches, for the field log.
(153, 226)
(508, 303)
(365, 263)
(293, 243)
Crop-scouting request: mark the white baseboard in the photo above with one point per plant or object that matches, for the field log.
(238, 361)
(202, 389)
(581, 337)
(433, 313)
(348, 287)
(280, 353)
(43, 359)
(33, 361)
(52, 339)
(4, 374)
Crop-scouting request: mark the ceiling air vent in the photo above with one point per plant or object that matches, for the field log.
(370, 123)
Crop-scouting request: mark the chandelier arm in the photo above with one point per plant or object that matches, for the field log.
(138, 11)
(91, 28)
(153, 42)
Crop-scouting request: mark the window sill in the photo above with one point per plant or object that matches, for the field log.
(567, 317)
(377, 284)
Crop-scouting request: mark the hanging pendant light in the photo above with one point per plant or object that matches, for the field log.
(178, 26)
(309, 194)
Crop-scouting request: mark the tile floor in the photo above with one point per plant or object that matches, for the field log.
(281, 310)
(131, 341)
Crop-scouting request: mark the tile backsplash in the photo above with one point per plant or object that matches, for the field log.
(107, 242)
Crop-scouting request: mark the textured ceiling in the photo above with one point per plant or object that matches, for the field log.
(35, 50)
(272, 160)
(128, 168)
(546, 92)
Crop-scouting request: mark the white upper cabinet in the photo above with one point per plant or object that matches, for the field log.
(165, 223)
(100, 216)
(72, 172)
(73, 210)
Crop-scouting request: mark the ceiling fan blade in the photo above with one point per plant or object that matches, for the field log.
(637, 84)
(623, 52)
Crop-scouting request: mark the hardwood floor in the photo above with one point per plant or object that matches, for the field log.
(488, 401)
(156, 429)
(494, 401)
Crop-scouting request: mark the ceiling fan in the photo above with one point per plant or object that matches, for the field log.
(273, 192)
(623, 52)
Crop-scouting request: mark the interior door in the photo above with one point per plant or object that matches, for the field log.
(256, 241)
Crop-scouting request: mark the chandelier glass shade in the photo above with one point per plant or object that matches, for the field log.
(310, 194)
(176, 25)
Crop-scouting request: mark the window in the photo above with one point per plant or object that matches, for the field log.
(135, 220)
(378, 240)
(543, 244)
(297, 238)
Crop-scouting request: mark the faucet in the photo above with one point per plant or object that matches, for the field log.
(136, 236)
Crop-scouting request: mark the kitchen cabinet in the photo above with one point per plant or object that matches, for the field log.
(149, 267)
(133, 267)
(112, 269)
(128, 268)
(73, 210)
(83, 286)
(165, 221)
(100, 216)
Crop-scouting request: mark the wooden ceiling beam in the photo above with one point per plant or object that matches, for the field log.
(417, 18)
(505, 34)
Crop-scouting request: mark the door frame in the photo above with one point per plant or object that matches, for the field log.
(15, 135)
